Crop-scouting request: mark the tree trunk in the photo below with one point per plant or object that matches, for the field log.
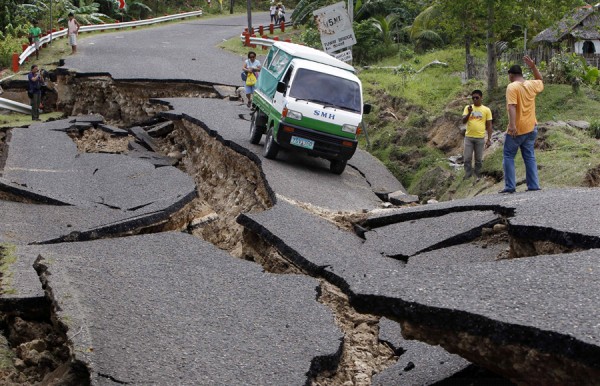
(469, 62)
(491, 49)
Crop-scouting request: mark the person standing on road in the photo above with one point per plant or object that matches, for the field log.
(522, 125)
(479, 121)
(35, 33)
(73, 30)
(251, 66)
(273, 12)
(280, 13)
(35, 79)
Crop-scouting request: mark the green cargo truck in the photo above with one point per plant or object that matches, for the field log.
(308, 101)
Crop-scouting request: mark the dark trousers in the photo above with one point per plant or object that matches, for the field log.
(35, 105)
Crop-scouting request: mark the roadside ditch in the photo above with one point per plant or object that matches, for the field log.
(227, 184)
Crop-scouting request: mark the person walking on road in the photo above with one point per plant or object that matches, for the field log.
(35, 79)
(479, 121)
(251, 67)
(73, 30)
(35, 33)
(522, 125)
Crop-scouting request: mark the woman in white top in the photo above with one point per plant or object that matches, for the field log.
(251, 65)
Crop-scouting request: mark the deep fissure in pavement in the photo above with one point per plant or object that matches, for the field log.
(228, 184)
(33, 345)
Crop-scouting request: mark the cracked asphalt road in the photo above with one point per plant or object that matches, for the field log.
(531, 319)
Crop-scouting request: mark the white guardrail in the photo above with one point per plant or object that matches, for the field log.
(101, 27)
(7, 104)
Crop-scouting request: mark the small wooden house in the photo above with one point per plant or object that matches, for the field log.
(580, 31)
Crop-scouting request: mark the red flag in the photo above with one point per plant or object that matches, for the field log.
(122, 4)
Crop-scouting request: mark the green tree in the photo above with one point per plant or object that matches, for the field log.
(422, 31)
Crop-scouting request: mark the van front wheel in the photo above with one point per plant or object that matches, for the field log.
(271, 147)
(255, 132)
(337, 167)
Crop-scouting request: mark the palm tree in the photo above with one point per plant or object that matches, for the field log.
(85, 14)
(421, 31)
(385, 26)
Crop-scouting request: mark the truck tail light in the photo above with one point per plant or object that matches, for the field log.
(288, 129)
(347, 144)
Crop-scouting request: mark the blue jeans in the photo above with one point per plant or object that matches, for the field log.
(524, 142)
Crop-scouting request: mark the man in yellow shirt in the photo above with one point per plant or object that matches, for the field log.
(479, 121)
(522, 125)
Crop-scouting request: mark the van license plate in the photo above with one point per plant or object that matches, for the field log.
(302, 142)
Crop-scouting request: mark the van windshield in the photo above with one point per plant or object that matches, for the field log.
(326, 89)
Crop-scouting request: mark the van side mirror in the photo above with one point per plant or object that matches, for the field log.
(281, 87)
(366, 108)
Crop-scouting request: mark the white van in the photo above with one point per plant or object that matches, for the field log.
(306, 100)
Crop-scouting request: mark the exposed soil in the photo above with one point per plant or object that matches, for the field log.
(34, 351)
(479, 349)
(447, 135)
(363, 354)
(98, 141)
(121, 102)
(592, 177)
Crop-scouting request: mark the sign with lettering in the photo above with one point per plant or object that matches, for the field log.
(344, 56)
(335, 27)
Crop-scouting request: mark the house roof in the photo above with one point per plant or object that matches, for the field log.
(582, 23)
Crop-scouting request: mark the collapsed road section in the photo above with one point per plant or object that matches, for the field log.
(178, 303)
(528, 318)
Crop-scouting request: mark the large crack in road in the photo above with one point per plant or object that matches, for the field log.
(231, 192)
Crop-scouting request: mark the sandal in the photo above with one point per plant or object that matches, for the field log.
(249, 104)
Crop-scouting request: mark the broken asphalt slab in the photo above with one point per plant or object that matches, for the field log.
(177, 309)
(45, 160)
(21, 289)
(492, 313)
(292, 175)
(427, 234)
(564, 216)
(24, 223)
(423, 364)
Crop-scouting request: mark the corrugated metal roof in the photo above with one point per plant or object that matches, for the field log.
(568, 25)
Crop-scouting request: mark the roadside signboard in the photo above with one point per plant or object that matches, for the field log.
(335, 27)
(344, 56)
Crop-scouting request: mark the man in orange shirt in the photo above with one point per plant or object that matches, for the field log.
(522, 125)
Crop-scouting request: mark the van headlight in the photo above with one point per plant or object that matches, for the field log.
(349, 129)
(294, 115)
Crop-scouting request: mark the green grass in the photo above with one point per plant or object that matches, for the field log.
(7, 259)
(418, 99)
(21, 120)
(558, 102)
(432, 89)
